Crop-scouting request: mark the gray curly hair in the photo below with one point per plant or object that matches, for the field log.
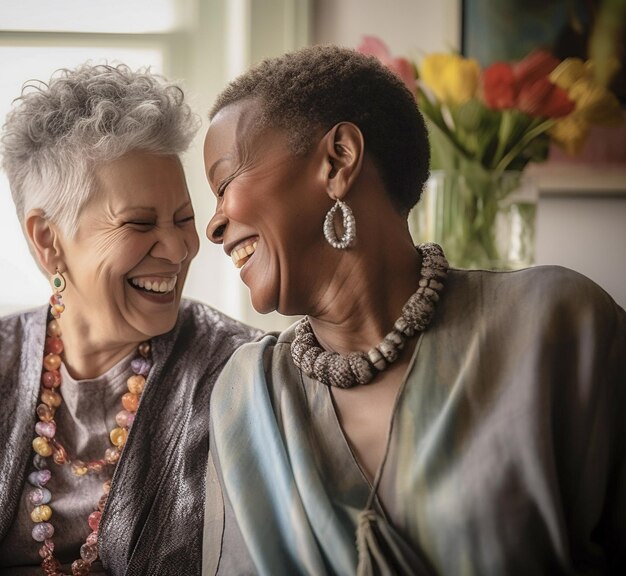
(59, 132)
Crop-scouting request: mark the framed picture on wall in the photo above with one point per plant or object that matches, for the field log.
(508, 30)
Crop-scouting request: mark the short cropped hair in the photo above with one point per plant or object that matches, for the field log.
(59, 133)
(317, 87)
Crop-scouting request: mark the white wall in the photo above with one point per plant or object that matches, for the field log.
(409, 27)
(588, 234)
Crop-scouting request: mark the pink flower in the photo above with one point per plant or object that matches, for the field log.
(373, 46)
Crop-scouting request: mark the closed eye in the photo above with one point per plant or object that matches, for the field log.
(223, 185)
(185, 220)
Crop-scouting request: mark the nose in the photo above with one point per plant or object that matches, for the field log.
(171, 245)
(216, 227)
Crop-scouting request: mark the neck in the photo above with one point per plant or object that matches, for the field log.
(365, 296)
(84, 354)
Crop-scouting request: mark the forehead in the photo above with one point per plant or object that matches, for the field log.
(141, 176)
(239, 142)
(240, 130)
(234, 121)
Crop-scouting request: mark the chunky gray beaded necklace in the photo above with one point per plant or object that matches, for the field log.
(333, 369)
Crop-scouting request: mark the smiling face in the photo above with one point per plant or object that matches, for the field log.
(270, 208)
(127, 264)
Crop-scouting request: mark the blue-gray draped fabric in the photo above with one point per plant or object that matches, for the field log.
(152, 523)
(507, 454)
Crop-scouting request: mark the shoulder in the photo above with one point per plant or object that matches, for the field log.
(202, 340)
(525, 278)
(22, 337)
(259, 375)
(538, 290)
(19, 328)
(261, 356)
(22, 318)
(268, 346)
(260, 350)
(203, 321)
(552, 311)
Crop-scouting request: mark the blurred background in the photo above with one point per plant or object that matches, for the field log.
(581, 218)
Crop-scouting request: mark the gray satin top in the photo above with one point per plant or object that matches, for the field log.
(507, 455)
(152, 524)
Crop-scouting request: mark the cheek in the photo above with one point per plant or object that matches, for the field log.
(116, 259)
(239, 204)
(258, 193)
(193, 243)
(112, 247)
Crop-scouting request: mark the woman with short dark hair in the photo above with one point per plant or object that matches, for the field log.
(417, 420)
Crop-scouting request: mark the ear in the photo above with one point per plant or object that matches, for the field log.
(344, 148)
(45, 241)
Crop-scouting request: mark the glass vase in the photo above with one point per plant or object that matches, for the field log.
(481, 219)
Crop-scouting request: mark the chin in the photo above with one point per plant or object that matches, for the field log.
(266, 290)
(274, 303)
(156, 326)
(264, 308)
(263, 303)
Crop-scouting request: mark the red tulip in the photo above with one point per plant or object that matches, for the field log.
(544, 99)
(526, 86)
(499, 86)
(537, 65)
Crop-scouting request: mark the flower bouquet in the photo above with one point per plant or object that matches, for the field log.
(485, 126)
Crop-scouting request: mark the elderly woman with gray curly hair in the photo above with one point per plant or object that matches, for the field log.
(105, 391)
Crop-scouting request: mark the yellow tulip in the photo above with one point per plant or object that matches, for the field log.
(568, 72)
(452, 79)
(570, 133)
(595, 104)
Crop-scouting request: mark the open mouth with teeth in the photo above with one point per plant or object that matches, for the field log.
(154, 285)
(242, 253)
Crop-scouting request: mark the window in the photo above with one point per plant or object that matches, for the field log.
(31, 57)
(94, 16)
(203, 43)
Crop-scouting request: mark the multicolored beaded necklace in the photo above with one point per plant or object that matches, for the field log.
(46, 444)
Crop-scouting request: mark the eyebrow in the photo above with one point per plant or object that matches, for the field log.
(215, 165)
(152, 209)
(127, 209)
(185, 205)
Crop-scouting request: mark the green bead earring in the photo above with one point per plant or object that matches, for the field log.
(57, 281)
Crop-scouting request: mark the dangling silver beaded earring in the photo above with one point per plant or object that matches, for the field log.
(349, 227)
(57, 281)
